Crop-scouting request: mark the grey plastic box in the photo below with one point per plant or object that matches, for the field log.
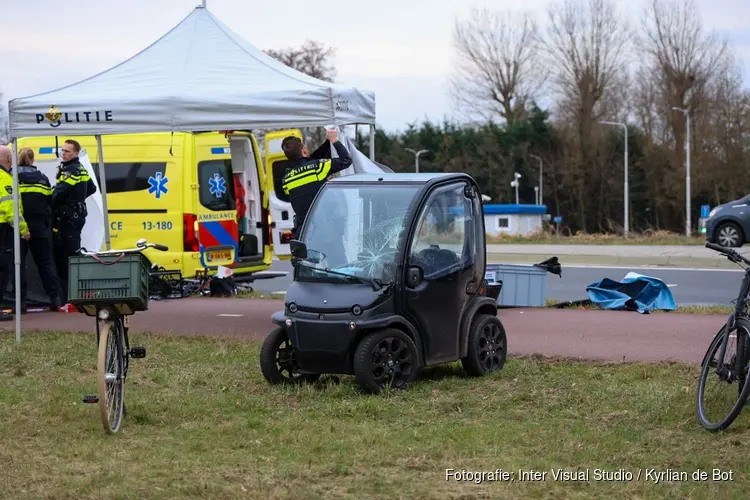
(523, 285)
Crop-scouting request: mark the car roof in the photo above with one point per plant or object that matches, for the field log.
(411, 178)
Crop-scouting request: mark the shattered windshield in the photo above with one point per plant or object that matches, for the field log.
(355, 230)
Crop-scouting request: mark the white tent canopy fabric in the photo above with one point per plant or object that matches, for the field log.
(199, 76)
(361, 164)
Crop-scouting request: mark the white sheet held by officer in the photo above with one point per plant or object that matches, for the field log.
(6, 223)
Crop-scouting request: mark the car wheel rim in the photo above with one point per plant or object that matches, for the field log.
(728, 236)
(286, 360)
(391, 363)
(491, 347)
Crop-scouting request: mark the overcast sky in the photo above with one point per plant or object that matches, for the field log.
(399, 49)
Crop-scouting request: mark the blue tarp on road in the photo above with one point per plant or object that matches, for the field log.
(634, 293)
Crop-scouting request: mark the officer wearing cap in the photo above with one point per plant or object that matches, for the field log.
(73, 186)
(303, 181)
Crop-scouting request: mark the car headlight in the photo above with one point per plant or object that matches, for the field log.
(713, 212)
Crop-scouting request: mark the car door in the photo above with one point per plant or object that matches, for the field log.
(443, 247)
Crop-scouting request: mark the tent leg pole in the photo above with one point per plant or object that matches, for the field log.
(16, 241)
(103, 190)
(372, 142)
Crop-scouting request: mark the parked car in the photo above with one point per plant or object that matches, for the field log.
(729, 224)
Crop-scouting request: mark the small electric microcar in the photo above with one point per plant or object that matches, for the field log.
(388, 279)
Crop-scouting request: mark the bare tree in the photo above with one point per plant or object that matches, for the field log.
(586, 44)
(586, 47)
(682, 56)
(726, 141)
(683, 60)
(312, 58)
(497, 69)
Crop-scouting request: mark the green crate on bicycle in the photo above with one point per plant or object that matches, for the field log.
(117, 280)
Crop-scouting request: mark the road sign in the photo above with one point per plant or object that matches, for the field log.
(705, 210)
(558, 219)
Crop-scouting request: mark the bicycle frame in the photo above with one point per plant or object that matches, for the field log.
(115, 317)
(741, 305)
(740, 311)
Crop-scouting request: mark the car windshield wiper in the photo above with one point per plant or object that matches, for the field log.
(376, 283)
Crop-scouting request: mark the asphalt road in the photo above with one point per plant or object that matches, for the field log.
(688, 286)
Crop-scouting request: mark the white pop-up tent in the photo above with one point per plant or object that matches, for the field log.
(200, 76)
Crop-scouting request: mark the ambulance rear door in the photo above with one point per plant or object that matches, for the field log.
(281, 210)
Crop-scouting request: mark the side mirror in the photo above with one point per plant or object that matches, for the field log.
(141, 243)
(414, 276)
(298, 249)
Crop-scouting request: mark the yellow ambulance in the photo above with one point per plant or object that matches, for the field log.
(182, 190)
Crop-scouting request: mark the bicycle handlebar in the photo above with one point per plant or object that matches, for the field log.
(730, 253)
(157, 246)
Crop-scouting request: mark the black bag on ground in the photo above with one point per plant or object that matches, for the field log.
(222, 287)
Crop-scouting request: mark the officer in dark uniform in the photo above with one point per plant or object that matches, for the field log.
(69, 212)
(36, 199)
(7, 234)
(303, 181)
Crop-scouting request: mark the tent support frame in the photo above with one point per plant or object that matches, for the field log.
(16, 242)
(372, 142)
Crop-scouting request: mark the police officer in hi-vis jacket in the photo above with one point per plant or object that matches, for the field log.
(69, 212)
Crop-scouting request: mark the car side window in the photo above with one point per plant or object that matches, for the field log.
(443, 242)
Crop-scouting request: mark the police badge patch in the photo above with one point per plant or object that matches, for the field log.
(9, 189)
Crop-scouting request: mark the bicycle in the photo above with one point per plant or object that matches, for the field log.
(735, 367)
(111, 286)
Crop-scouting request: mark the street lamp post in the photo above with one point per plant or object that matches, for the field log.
(541, 180)
(688, 224)
(514, 183)
(416, 154)
(626, 188)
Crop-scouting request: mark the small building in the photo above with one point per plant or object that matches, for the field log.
(517, 220)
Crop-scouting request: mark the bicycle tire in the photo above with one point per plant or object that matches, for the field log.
(742, 327)
(107, 358)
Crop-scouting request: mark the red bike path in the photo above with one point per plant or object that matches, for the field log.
(570, 333)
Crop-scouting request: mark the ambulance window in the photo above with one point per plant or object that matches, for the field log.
(128, 177)
(279, 169)
(216, 189)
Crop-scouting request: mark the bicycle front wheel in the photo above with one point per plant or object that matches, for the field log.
(110, 375)
(722, 387)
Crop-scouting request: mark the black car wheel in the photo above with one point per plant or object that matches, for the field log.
(385, 359)
(729, 235)
(278, 361)
(487, 346)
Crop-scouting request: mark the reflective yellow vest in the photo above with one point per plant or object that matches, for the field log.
(6, 202)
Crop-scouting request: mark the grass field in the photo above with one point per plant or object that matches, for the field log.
(715, 309)
(202, 423)
(650, 238)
